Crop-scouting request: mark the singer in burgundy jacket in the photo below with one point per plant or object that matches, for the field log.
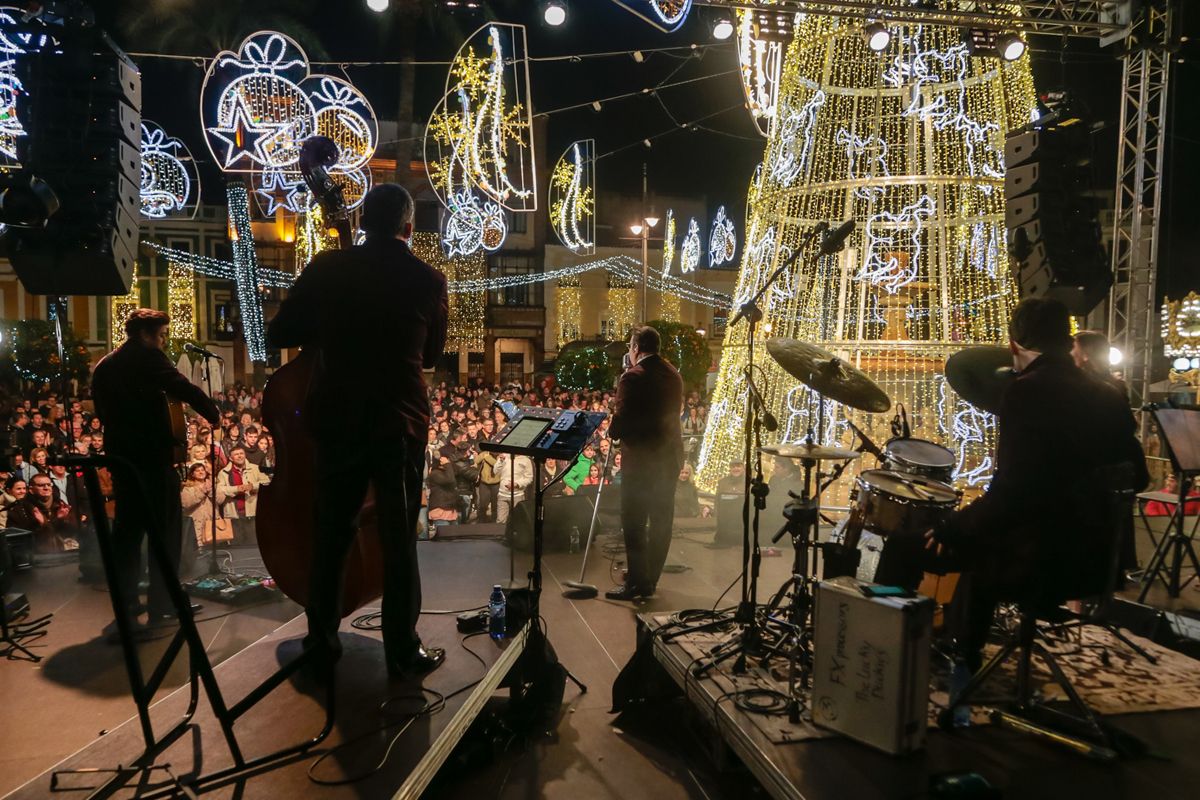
(646, 421)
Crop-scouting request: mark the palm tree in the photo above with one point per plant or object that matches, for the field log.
(204, 27)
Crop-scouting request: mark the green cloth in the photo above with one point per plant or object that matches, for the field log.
(577, 474)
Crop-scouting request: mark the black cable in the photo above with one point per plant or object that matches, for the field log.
(733, 583)
(367, 622)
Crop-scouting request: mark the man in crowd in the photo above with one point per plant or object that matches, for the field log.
(129, 385)
(48, 516)
(238, 483)
(342, 304)
(646, 420)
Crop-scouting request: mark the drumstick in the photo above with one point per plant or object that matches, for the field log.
(920, 490)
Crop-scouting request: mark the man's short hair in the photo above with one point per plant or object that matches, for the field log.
(145, 320)
(1095, 345)
(646, 339)
(1042, 325)
(386, 210)
(249, 430)
(235, 448)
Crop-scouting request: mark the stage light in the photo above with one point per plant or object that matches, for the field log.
(1115, 356)
(877, 36)
(1181, 364)
(722, 28)
(554, 12)
(1010, 46)
(378, 6)
(637, 229)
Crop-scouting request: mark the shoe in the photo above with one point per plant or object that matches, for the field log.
(170, 616)
(422, 662)
(629, 592)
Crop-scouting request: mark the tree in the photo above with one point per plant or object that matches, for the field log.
(588, 365)
(35, 352)
(684, 348)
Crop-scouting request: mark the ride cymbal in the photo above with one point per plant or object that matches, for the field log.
(828, 375)
(980, 375)
(810, 452)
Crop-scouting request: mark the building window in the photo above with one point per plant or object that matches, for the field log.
(522, 294)
(221, 319)
(512, 368)
(718, 327)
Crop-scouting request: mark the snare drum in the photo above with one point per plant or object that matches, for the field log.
(919, 457)
(888, 518)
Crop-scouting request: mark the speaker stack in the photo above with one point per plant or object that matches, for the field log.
(81, 112)
(1051, 215)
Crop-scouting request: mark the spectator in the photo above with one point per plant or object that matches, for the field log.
(196, 496)
(444, 500)
(37, 464)
(579, 472)
(237, 491)
(253, 454)
(14, 491)
(516, 474)
(49, 517)
(488, 491)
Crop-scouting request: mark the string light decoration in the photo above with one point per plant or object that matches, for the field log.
(468, 309)
(623, 304)
(312, 237)
(722, 240)
(181, 301)
(170, 183)
(472, 225)
(480, 136)
(573, 197)
(668, 242)
(666, 15)
(760, 57)
(909, 142)
(120, 307)
(1181, 329)
(13, 44)
(245, 271)
(569, 296)
(259, 104)
(216, 268)
(689, 253)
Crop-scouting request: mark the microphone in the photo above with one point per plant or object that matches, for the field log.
(835, 240)
(200, 351)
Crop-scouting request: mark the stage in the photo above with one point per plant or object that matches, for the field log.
(55, 711)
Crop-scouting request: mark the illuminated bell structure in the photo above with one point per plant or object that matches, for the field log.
(909, 143)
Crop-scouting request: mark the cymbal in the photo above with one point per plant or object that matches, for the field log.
(980, 375)
(828, 375)
(810, 452)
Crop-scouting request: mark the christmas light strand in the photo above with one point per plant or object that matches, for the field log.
(246, 277)
(169, 180)
(722, 240)
(573, 197)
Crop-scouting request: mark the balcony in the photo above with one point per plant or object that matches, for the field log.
(515, 318)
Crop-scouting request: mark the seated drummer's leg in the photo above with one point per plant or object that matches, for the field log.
(969, 618)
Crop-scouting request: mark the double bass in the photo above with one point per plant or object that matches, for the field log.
(286, 523)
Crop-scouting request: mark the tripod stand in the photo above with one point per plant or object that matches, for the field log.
(1180, 428)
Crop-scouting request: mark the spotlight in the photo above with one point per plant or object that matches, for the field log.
(1181, 364)
(554, 12)
(1010, 46)
(378, 6)
(1115, 357)
(877, 36)
(722, 28)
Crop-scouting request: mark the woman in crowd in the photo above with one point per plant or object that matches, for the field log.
(196, 497)
(14, 492)
(444, 500)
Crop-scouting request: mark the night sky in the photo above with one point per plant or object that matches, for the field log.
(715, 160)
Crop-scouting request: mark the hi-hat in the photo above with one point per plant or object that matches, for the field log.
(810, 452)
(980, 375)
(828, 375)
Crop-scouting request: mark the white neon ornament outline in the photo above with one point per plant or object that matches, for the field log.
(473, 225)
(668, 242)
(883, 270)
(668, 18)
(11, 46)
(263, 56)
(866, 158)
(761, 63)
(689, 251)
(161, 163)
(572, 206)
(789, 162)
(722, 240)
(968, 425)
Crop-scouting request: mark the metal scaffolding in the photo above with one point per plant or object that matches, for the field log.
(1143, 31)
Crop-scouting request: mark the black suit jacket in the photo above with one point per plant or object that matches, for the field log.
(127, 386)
(646, 416)
(377, 314)
(1042, 518)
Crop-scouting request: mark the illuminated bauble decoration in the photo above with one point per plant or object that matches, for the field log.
(170, 184)
(666, 15)
(254, 112)
(909, 143)
(573, 198)
(722, 240)
(472, 225)
(689, 252)
(480, 135)
(344, 115)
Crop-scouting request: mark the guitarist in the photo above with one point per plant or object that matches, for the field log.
(376, 315)
(128, 386)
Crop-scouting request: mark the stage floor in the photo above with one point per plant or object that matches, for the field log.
(53, 709)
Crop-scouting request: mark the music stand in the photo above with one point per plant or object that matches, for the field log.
(1180, 430)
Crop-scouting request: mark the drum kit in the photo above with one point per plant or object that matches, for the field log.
(881, 539)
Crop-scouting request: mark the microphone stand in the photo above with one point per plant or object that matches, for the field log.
(213, 569)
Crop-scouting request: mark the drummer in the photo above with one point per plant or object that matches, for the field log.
(1028, 538)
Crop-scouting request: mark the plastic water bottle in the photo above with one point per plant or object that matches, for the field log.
(574, 542)
(496, 613)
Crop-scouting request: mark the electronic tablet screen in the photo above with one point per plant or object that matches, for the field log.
(526, 432)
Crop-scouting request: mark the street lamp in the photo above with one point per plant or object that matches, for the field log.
(642, 229)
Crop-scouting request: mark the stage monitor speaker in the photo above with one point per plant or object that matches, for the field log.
(562, 513)
(81, 112)
(1053, 230)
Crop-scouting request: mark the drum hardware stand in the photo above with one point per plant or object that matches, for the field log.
(1180, 429)
(200, 667)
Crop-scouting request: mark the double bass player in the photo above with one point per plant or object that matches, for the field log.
(369, 417)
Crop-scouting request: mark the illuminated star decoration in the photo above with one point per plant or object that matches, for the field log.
(280, 189)
(242, 137)
(689, 253)
(669, 242)
(666, 15)
(169, 181)
(472, 226)
(572, 198)
(722, 241)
